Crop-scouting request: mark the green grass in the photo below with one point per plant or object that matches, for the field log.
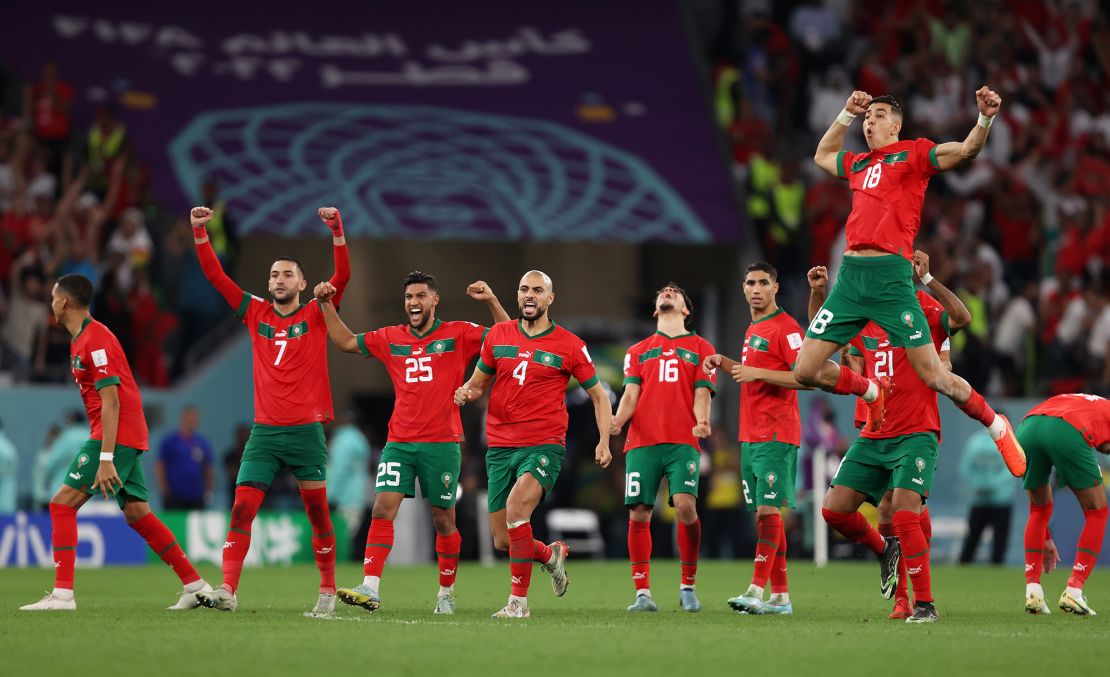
(839, 627)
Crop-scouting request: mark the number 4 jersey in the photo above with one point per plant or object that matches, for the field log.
(668, 371)
(527, 406)
(425, 369)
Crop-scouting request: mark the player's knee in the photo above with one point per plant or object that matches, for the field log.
(444, 522)
(242, 514)
(806, 374)
(133, 511)
(501, 542)
(640, 513)
(687, 514)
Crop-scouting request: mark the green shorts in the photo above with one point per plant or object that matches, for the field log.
(905, 462)
(1050, 441)
(505, 464)
(82, 472)
(273, 447)
(644, 468)
(435, 464)
(878, 288)
(770, 470)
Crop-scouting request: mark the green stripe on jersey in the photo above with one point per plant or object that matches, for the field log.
(548, 359)
(860, 164)
(870, 343)
(395, 349)
(759, 343)
(688, 355)
(505, 351)
(891, 158)
(265, 330)
(441, 346)
(297, 330)
(651, 354)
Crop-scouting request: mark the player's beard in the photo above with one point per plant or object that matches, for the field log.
(286, 297)
(540, 312)
(665, 307)
(423, 322)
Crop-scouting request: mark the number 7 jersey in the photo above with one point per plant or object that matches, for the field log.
(527, 405)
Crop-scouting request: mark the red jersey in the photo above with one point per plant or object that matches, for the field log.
(97, 361)
(912, 405)
(668, 371)
(426, 369)
(289, 353)
(1089, 414)
(888, 191)
(769, 413)
(527, 405)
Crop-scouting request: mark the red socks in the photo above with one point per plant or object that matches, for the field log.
(778, 569)
(161, 540)
(1036, 532)
(926, 525)
(63, 537)
(769, 528)
(689, 542)
(977, 408)
(541, 552)
(855, 527)
(521, 555)
(915, 553)
(850, 383)
(379, 541)
(243, 511)
(639, 553)
(447, 553)
(1090, 543)
(902, 589)
(323, 535)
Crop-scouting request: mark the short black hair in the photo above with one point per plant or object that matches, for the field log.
(78, 288)
(420, 277)
(688, 320)
(294, 261)
(764, 267)
(890, 101)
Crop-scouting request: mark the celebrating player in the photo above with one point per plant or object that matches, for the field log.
(426, 360)
(118, 437)
(667, 397)
(876, 280)
(893, 467)
(533, 359)
(770, 432)
(292, 401)
(1064, 432)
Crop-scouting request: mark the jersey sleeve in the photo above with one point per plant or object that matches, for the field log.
(582, 366)
(925, 157)
(473, 335)
(214, 272)
(486, 363)
(632, 372)
(106, 359)
(705, 380)
(844, 160)
(371, 343)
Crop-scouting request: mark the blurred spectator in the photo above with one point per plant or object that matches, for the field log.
(58, 449)
(104, 144)
(1015, 337)
(48, 104)
(349, 474)
(25, 318)
(992, 495)
(9, 472)
(131, 244)
(184, 467)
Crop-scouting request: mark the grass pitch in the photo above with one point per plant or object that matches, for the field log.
(839, 626)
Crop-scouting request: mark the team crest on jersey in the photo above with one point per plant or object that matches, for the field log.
(920, 463)
(771, 477)
(907, 318)
(82, 460)
(76, 363)
(446, 479)
(543, 461)
(691, 467)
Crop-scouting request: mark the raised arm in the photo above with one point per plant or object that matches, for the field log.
(818, 278)
(342, 256)
(480, 291)
(828, 149)
(603, 415)
(338, 332)
(209, 264)
(958, 314)
(955, 153)
(625, 408)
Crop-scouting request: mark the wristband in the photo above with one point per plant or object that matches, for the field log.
(337, 229)
(845, 118)
(926, 279)
(199, 233)
(107, 455)
(985, 121)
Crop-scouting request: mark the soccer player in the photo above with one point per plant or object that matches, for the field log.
(770, 432)
(667, 397)
(292, 401)
(893, 467)
(118, 436)
(1064, 432)
(876, 279)
(526, 425)
(426, 359)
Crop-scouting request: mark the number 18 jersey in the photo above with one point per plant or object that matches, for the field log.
(425, 370)
(527, 405)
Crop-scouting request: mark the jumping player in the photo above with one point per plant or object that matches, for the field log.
(876, 281)
(533, 359)
(668, 398)
(426, 359)
(118, 437)
(292, 401)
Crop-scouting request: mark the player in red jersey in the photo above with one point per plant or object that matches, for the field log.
(876, 280)
(426, 360)
(526, 427)
(893, 467)
(118, 437)
(1064, 432)
(292, 401)
(770, 432)
(667, 396)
